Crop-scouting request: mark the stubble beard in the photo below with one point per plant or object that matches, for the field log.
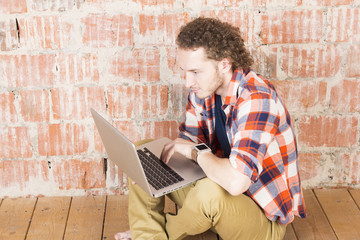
(217, 82)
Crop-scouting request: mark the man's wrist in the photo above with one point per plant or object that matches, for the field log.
(193, 154)
(198, 149)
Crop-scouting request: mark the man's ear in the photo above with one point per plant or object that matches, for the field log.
(225, 65)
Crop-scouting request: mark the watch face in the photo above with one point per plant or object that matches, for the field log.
(202, 147)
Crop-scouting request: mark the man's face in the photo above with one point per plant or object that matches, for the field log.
(201, 74)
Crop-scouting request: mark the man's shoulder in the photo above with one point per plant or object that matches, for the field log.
(257, 84)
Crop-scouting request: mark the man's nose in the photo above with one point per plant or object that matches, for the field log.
(189, 80)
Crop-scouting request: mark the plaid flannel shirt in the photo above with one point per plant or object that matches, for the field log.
(262, 141)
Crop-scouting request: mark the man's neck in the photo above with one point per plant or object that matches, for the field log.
(223, 89)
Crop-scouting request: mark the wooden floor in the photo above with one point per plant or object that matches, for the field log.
(332, 214)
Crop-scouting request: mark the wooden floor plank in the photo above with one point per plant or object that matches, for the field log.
(116, 216)
(328, 210)
(49, 218)
(315, 225)
(290, 233)
(170, 206)
(355, 193)
(86, 217)
(15, 216)
(342, 212)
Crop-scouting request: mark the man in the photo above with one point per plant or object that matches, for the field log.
(252, 189)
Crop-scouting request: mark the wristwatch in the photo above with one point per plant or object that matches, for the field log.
(197, 149)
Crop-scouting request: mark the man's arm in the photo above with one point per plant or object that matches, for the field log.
(220, 171)
(217, 169)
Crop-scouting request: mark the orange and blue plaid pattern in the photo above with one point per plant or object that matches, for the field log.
(262, 140)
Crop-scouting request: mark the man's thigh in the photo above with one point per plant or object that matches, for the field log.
(179, 196)
(232, 217)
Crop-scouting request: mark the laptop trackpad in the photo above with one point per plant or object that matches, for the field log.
(187, 168)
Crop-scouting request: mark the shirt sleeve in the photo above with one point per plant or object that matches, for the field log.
(191, 127)
(256, 124)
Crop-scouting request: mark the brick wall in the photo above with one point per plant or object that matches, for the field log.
(59, 58)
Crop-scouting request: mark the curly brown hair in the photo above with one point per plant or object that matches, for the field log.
(219, 39)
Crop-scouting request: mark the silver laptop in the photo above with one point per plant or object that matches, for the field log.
(152, 175)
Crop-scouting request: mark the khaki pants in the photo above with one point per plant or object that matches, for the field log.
(203, 205)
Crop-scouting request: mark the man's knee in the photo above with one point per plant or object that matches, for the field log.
(214, 199)
(207, 192)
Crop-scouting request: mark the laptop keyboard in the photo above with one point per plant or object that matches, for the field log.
(157, 172)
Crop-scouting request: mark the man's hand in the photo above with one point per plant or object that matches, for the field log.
(217, 169)
(179, 145)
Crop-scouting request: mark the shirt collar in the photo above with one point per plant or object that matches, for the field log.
(237, 78)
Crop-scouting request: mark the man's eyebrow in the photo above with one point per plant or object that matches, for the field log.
(190, 70)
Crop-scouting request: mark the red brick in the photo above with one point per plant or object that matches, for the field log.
(137, 65)
(154, 130)
(148, 62)
(7, 108)
(199, 4)
(302, 95)
(349, 163)
(284, 27)
(78, 68)
(328, 131)
(276, 3)
(115, 178)
(355, 28)
(353, 61)
(265, 60)
(79, 174)
(322, 61)
(15, 142)
(171, 61)
(345, 96)
(178, 99)
(45, 32)
(161, 29)
(22, 173)
(226, 3)
(107, 31)
(241, 19)
(138, 101)
(343, 24)
(28, 70)
(34, 105)
(123, 65)
(54, 5)
(125, 101)
(169, 3)
(330, 2)
(158, 100)
(309, 165)
(8, 35)
(177, 73)
(99, 146)
(62, 139)
(19, 6)
(75, 103)
(129, 129)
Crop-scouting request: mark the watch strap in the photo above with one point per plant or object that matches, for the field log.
(194, 154)
(196, 150)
